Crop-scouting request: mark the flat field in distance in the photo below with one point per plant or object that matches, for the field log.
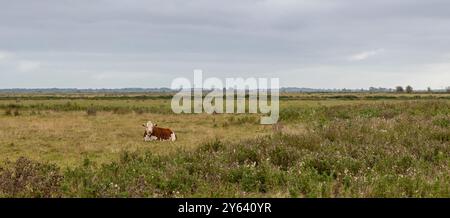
(326, 145)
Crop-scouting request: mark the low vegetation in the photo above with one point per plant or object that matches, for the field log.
(320, 149)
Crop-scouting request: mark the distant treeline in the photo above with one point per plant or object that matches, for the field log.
(169, 96)
(168, 90)
(75, 91)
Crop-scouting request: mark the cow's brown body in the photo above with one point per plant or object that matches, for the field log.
(162, 133)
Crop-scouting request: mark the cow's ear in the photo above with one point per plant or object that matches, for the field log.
(156, 124)
(144, 125)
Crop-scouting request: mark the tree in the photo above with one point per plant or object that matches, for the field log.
(448, 89)
(429, 89)
(409, 89)
(399, 89)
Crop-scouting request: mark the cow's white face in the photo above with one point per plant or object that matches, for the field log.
(149, 127)
(148, 130)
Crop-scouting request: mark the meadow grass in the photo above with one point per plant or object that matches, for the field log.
(330, 147)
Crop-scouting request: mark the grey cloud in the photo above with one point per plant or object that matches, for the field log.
(162, 39)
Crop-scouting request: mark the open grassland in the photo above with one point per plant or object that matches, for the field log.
(326, 145)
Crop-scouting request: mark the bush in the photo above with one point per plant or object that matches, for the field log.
(139, 111)
(91, 111)
(121, 111)
(8, 112)
(26, 178)
(409, 89)
(12, 110)
(16, 112)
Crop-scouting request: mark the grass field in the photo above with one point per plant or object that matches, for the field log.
(326, 145)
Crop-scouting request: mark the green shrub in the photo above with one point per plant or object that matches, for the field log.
(8, 112)
(91, 111)
(16, 112)
(26, 178)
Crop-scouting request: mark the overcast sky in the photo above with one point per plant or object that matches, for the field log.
(148, 43)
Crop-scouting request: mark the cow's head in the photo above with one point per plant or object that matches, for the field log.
(148, 129)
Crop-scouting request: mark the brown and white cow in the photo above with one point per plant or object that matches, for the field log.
(153, 133)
